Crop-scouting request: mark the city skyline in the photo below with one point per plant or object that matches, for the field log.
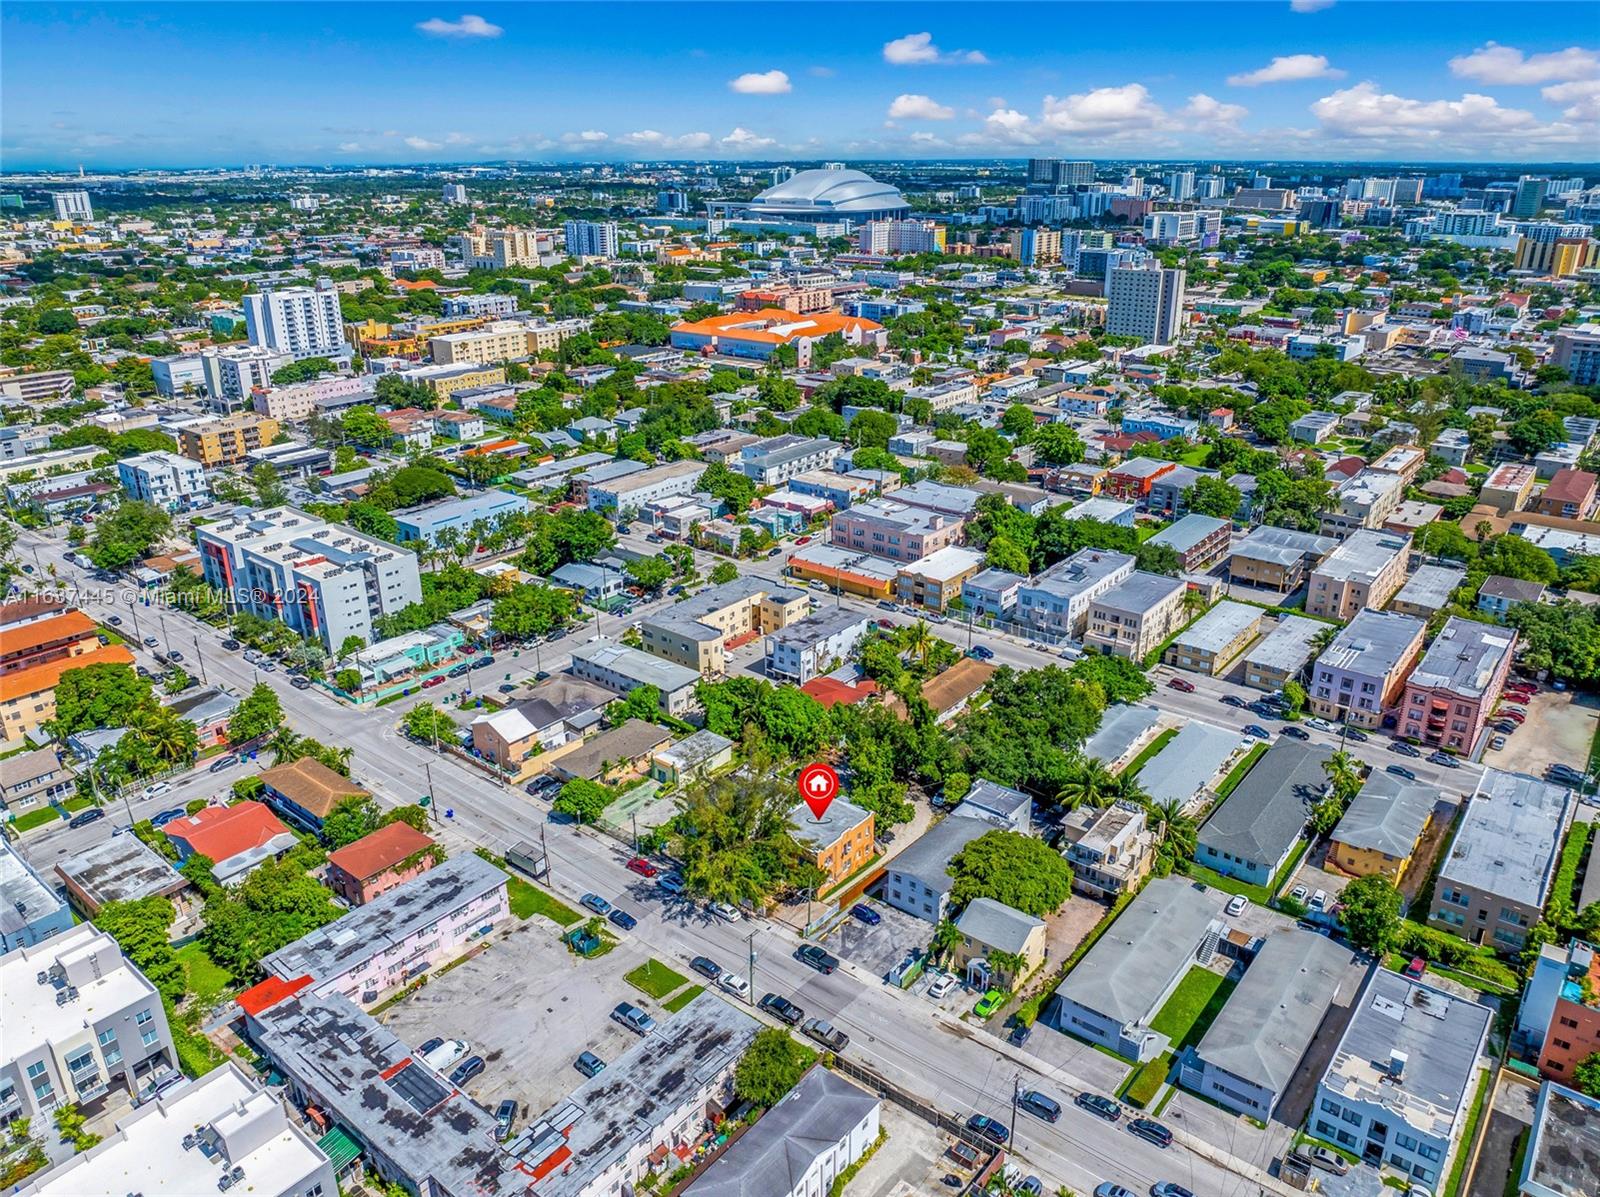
(353, 84)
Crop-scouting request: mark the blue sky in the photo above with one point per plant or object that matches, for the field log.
(131, 84)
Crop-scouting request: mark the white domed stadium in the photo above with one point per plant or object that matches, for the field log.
(828, 196)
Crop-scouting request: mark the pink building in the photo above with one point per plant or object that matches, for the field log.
(376, 863)
(894, 530)
(1449, 694)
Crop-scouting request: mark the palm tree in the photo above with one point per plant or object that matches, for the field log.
(284, 745)
(1089, 784)
(1193, 602)
(1125, 787)
(1176, 832)
(945, 938)
(918, 640)
(1344, 775)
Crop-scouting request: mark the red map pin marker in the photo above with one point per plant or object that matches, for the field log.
(819, 786)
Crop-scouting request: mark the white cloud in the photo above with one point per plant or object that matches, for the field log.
(459, 139)
(468, 26)
(587, 137)
(928, 139)
(1286, 69)
(1365, 112)
(1206, 112)
(919, 108)
(422, 143)
(1583, 96)
(1105, 110)
(761, 83)
(1309, 5)
(742, 139)
(1493, 63)
(1109, 116)
(917, 49)
(649, 138)
(349, 147)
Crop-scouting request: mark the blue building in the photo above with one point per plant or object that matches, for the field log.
(1164, 426)
(459, 515)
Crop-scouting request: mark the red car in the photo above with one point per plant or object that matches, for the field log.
(802, 540)
(1178, 683)
(643, 867)
(433, 681)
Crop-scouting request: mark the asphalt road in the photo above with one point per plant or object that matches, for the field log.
(963, 1070)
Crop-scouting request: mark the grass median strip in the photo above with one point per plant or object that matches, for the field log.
(683, 999)
(654, 979)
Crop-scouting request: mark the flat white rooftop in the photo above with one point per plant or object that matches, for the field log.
(29, 1014)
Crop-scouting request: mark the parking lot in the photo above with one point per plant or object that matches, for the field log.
(528, 1007)
(1560, 727)
(877, 949)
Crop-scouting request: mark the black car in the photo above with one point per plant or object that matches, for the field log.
(991, 1129)
(1359, 736)
(223, 762)
(1401, 771)
(1297, 733)
(457, 671)
(1100, 1107)
(231, 645)
(466, 1070)
(623, 919)
(114, 620)
(823, 962)
(84, 818)
(1444, 760)
(1403, 748)
(1151, 1131)
(429, 1045)
(1040, 1105)
(1256, 730)
(782, 1009)
(706, 967)
(300, 683)
(1233, 700)
(1020, 1034)
(505, 1114)
(167, 816)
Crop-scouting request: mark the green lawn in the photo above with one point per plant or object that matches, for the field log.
(1149, 751)
(654, 979)
(683, 999)
(1189, 1012)
(74, 805)
(34, 818)
(1468, 1136)
(1145, 1082)
(1228, 885)
(1195, 455)
(528, 900)
(205, 979)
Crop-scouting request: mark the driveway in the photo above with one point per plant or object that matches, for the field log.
(1560, 727)
(1510, 1120)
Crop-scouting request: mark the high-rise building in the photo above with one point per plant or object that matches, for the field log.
(900, 237)
(1145, 302)
(1036, 247)
(1323, 213)
(300, 321)
(782, 174)
(1577, 351)
(1180, 184)
(72, 205)
(591, 239)
(1529, 198)
(1261, 181)
(669, 200)
(1408, 191)
(1057, 172)
(455, 193)
(1209, 186)
(232, 372)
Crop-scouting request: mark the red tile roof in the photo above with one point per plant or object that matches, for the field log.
(383, 849)
(830, 691)
(73, 625)
(222, 832)
(269, 993)
(1570, 486)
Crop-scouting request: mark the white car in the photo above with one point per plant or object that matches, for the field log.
(1237, 904)
(1300, 893)
(728, 914)
(442, 1058)
(735, 984)
(941, 984)
(160, 787)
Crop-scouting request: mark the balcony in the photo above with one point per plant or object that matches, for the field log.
(90, 1083)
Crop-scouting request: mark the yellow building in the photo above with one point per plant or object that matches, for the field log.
(460, 378)
(375, 339)
(1381, 830)
(998, 945)
(226, 441)
(28, 695)
(505, 341)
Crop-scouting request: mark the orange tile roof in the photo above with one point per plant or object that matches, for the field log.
(38, 678)
(222, 832)
(755, 326)
(383, 849)
(421, 284)
(74, 625)
(830, 691)
(310, 784)
(269, 993)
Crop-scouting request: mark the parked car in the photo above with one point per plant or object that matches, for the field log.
(428, 1045)
(429, 683)
(643, 867)
(1416, 968)
(823, 962)
(670, 883)
(991, 1129)
(982, 652)
(151, 642)
(782, 1009)
(300, 683)
(633, 1018)
(1236, 905)
(706, 967)
(825, 1033)
(1403, 749)
(1020, 1034)
(595, 903)
(114, 620)
(1296, 733)
(467, 1069)
(458, 670)
(231, 645)
(866, 914)
(445, 1053)
(1040, 1105)
(174, 655)
(1169, 1188)
(1100, 1107)
(1110, 1189)
(83, 818)
(989, 1003)
(1256, 730)
(885, 605)
(1497, 742)
(1444, 759)
(1300, 893)
(1151, 1131)
(160, 787)
(504, 1115)
(1181, 684)
(1401, 771)
(1233, 700)
(623, 919)
(725, 912)
(1356, 734)
(270, 667)
(167, 816)
(1319, 899)
(735, 983)
(1321, 724)
(941, 984)
(1323, 1157)
(1032, 1186)
(589, 1064)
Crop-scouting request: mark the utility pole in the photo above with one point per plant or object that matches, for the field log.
(750, 997)
(200, 661)
(544, 849)
(1016, 1093)
(433, 801)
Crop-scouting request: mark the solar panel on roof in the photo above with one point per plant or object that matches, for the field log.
(419, 1087)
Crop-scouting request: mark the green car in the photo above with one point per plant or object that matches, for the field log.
(989, 1003)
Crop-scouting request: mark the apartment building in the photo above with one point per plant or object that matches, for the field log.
(163, 479)
(1361, 675)
(1569, 495)
(838, 843)
(652, 485)
(1210, 644)
(1251, 835)
(30, 910)
(935, 581)
(233, 372)
(1276, 558)
(1199, 540)
(219, 1127)
(1428, 591)
(1450, 693)
(1380, 831)
(774, 461)
(1365, 571)
(1110, 848)
(1497, 871)
(323, 580)
(54, 638)
(1406, 461)
(698, 631)
(227, 440)
(897, 531)
(1136, 615)
(458, 517)
(1364, 501)
(1133, 479)
(623, 670)
(1145, 301)
(399, 934)
(1282, 654)
(28, 695)
(1507, 487)
(808, 647)
(300, 321)
(1400, 1086)
(1560, 1011)
(79, 1020)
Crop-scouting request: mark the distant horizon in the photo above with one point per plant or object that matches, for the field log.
(199, 86)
